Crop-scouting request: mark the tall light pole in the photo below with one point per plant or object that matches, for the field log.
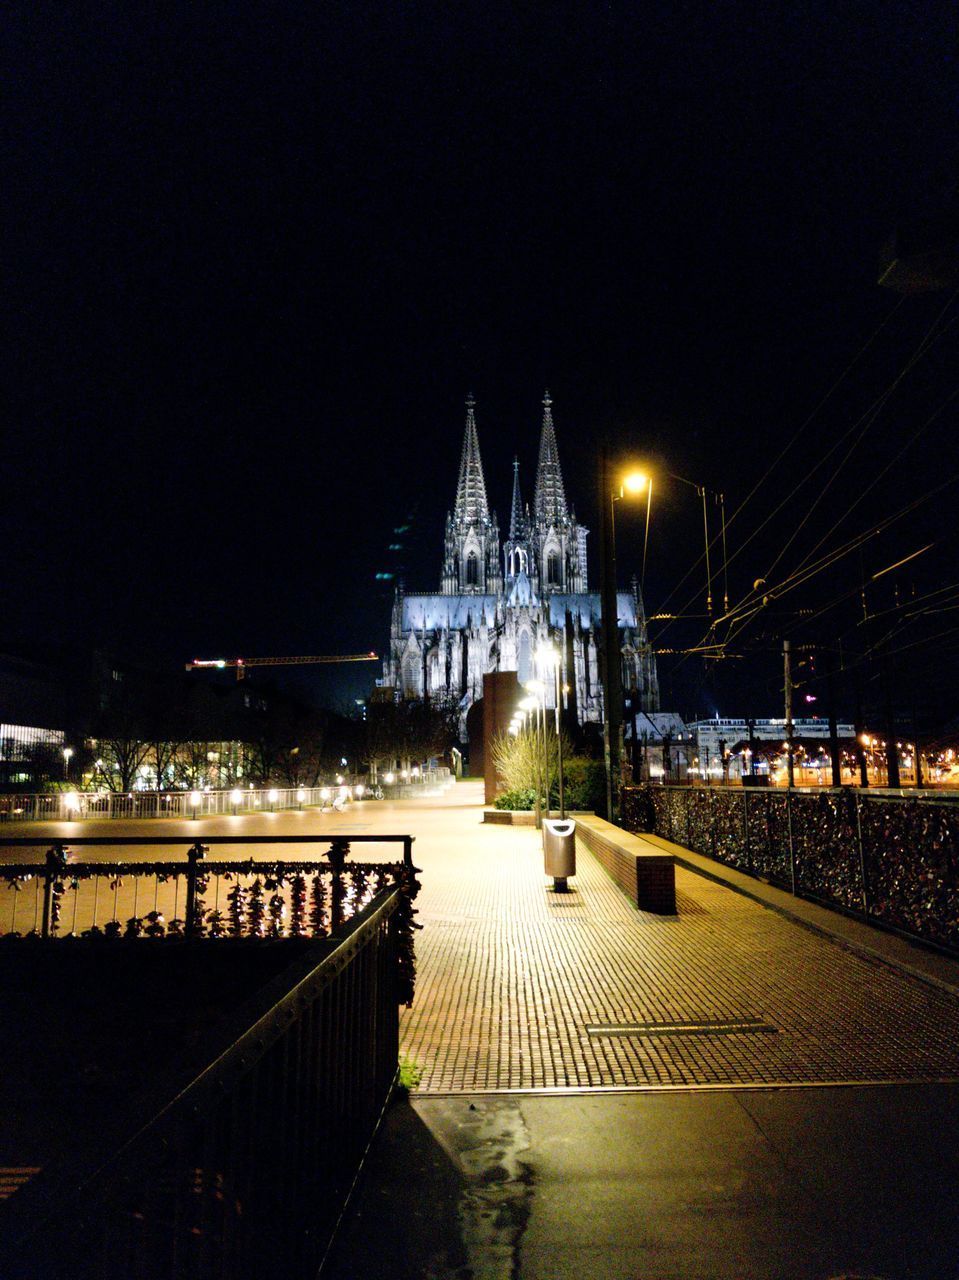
(549, 657)
(529, 705)
(611, 670)
(67, 753)
(537, 690)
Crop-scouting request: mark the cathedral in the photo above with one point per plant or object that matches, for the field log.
(498, 604)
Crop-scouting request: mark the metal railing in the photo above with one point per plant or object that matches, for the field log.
(244, 1169)
(64, 896)
(69, 805)
(892, 859)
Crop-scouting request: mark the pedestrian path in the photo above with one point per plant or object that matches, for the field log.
(536, 1149)
(519, 988)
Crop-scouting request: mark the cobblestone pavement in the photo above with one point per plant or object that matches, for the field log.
(520, 988)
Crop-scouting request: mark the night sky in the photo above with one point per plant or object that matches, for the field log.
(256, 256)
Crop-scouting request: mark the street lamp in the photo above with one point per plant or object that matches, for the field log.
(632, 484)
(538, 689)
(529, 705)
(67, 753)
(549, 658)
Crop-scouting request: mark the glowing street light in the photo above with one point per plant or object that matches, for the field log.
(537, 691)
(196, 799)
(635, 482)
(631, 484)
(548, 656)
(67, 753)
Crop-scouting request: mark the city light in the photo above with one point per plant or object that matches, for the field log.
(635, 482)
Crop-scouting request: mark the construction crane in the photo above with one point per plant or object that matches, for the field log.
(241, 664)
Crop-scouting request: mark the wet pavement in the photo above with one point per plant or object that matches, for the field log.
(797, 1184)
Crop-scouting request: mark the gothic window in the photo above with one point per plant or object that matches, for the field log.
(525, 658)
(517, 562)
(410, 681)
(553, 578)
(472, 570)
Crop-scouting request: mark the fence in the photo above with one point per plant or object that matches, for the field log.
(63, 896)
(891, 859)
(244, 1171)
(67, 805)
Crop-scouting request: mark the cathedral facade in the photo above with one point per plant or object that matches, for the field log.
(498, 604)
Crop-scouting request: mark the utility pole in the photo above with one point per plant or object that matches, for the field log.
(833, 726)
(788, 688)
(860, 731)
(892, 749)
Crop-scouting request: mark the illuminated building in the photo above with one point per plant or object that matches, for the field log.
(497, 605)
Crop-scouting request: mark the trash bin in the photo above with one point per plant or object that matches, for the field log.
(559, 850)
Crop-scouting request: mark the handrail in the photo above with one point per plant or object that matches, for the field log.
(88, 1188)
(58, 870)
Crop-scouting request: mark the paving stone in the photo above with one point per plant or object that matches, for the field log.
(511, 975)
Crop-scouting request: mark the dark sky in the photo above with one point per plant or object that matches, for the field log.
(256, 255)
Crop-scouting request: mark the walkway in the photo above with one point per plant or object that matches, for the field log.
(521, 988)
(541, 1144)
(547, 1137)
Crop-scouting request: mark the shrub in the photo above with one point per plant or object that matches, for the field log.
(521, 799)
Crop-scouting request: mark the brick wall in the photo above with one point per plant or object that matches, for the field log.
(646, 875)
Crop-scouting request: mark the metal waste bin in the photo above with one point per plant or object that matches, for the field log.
(559, 850)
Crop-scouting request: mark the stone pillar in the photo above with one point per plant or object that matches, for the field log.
(501, 695)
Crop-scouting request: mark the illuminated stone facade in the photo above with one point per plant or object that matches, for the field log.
(496, 606)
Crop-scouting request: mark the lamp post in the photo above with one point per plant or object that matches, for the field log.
(549, 657)
(529, 705)
(67, 753)
(612, 676)
(537, 690)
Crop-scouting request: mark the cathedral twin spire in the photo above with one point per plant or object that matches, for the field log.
(550, 503)
(472, 546)
(471, 505)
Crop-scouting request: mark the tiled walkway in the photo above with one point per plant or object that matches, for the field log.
(519, 988)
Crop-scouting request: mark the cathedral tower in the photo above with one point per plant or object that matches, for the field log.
(559, 542)
(471, 564)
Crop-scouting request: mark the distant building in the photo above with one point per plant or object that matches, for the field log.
(731, 735)
(497, 604)
(33, 710)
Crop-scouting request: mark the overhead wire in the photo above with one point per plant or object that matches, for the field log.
(885, 470)
(926, 343)
(868, 419)
(747, 610)
(793, 439)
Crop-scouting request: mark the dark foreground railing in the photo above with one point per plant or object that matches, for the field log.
(890, 859)
(243, 1170)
